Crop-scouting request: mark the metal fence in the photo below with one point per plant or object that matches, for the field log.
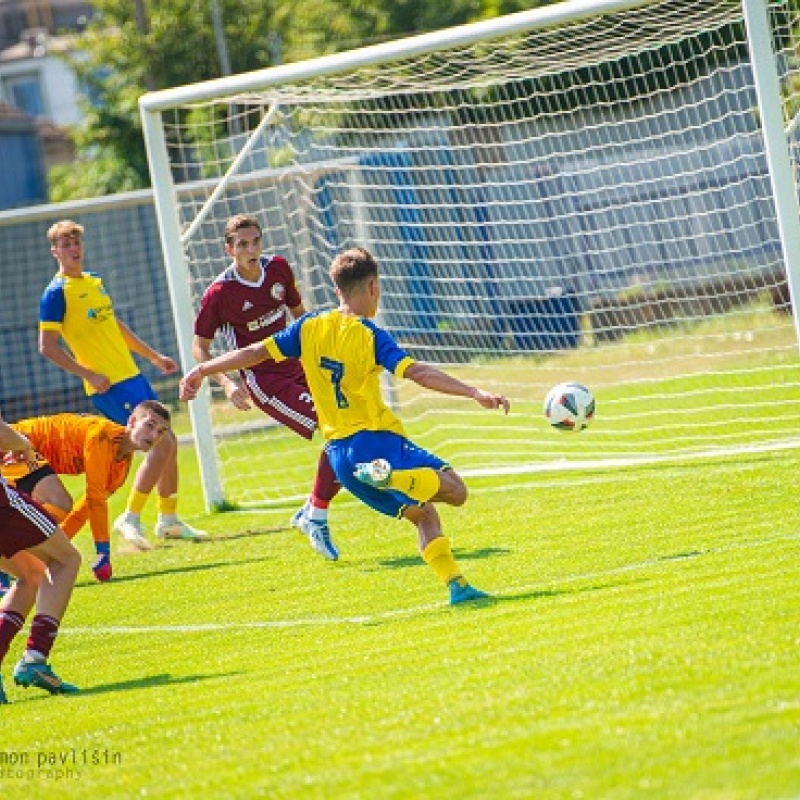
(122, 244)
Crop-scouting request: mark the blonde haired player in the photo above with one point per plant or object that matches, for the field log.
(343, 354)
(77, 307)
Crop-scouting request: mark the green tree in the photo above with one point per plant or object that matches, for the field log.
(130, 48)
(320, 27)
(121, 56)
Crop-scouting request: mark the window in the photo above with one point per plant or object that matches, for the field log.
(25, 92)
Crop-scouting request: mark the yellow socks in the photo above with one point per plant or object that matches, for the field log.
(439, 557)
(168, 505)
(422, 483)
(136, 501)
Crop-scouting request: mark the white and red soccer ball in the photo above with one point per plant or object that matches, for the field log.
(569, 406)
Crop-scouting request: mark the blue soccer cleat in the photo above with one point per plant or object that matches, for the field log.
(463, 594)
(5, 583)
(40, 675)
(375, 473)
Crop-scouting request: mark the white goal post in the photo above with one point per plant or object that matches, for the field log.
(602, 191)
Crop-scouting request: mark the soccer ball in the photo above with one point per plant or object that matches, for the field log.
(569, 406)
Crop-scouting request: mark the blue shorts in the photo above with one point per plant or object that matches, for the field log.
(120, 400)
(400, 452)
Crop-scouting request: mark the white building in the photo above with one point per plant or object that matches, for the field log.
(36, 79)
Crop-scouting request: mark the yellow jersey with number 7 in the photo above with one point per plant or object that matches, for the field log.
(343, 357)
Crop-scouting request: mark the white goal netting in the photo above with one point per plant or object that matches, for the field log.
(589, 201)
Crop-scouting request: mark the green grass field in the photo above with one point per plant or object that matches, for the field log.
(642, 642)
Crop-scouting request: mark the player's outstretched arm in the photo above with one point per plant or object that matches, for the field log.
(201, 350)
(434, 379)
(237, 359)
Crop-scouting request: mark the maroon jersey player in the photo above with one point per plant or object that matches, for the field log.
(251, 300)
(37, 551)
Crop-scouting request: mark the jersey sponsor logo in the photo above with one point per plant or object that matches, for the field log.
(100, 314)
(265, 321)
(278, 291)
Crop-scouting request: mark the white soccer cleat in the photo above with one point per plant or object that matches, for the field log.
(318, 533)
(319, 537)
(297, 518)
(179, 530)
(132, 533)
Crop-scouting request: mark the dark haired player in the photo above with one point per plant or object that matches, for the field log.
(343, 354)
(74, 444)
(246, 303)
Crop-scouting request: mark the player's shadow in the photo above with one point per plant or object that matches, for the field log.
(225, 537)
(540, 594)
(162, 679)
(403, 562)
(145, 574)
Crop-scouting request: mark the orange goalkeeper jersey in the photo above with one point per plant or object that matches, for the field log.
(80, 443)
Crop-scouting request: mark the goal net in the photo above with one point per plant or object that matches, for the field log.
(588, 192)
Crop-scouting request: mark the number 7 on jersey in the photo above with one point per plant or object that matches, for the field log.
(336, 369)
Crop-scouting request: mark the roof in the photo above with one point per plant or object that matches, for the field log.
(35, 43)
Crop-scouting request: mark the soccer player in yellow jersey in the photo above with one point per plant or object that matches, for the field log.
(343, 354)
(75, 444)
(77, 308)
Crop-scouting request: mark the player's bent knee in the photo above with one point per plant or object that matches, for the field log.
(165, 444)
(453, 490)
(72, 557)
(29, 570)
(460, 497)
(61, 550)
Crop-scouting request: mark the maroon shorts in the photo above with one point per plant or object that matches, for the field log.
(286, 399)
(23, 523)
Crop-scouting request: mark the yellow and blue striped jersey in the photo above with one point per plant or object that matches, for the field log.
(343, 357)
(81, 310)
